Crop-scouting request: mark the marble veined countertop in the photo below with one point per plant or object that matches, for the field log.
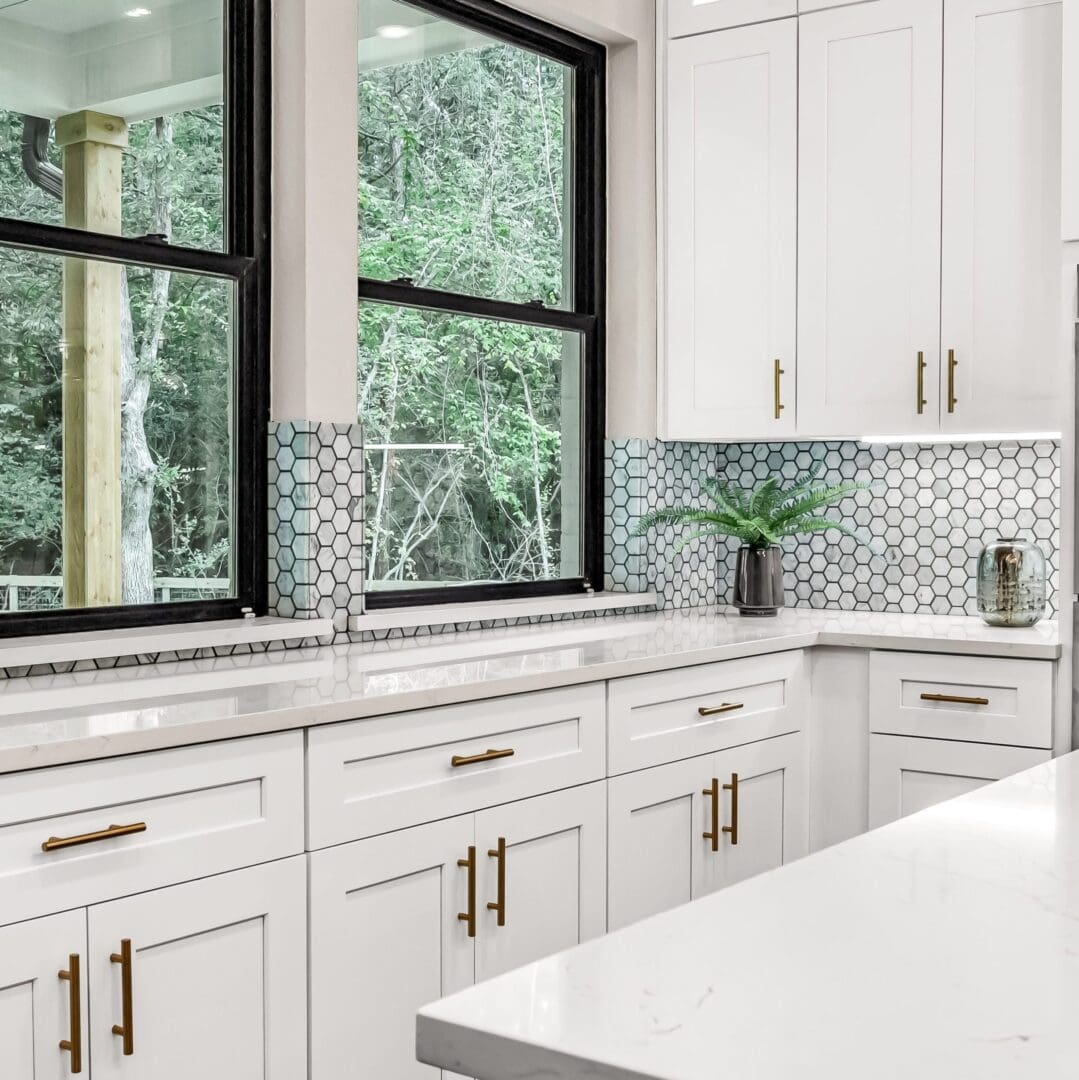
(942, 947)
(49, 720)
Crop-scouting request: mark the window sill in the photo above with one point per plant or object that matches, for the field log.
(175, 637)
(443, 614)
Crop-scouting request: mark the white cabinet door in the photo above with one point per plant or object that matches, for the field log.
(386, 940)
(699, 16)
(37, 1007)
(210, 979)
(908, 774)
(731, 196)
(869, 218)
(1001, 344)
(656, 847)
(766, 809)
(543, 884)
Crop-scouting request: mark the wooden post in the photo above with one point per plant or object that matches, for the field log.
(93, 146)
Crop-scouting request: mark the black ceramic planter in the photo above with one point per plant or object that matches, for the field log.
(758, 581)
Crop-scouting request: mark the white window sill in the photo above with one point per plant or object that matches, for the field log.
(443, 614)
(174, 637)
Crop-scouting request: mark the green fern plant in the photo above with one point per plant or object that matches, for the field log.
(762, 517)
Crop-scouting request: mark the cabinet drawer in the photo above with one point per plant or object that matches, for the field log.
(156, 819)
(372, 776)
(671, 715)
(969, 698)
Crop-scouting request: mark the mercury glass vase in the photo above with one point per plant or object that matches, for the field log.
(758, 581)
(1011, 583)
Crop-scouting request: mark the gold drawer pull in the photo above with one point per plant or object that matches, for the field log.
(126, 1030)
(715, 710)
(475, 759)
(956, 699)
(952, 365)
(777, 376)
(921, 402)
(469, 916)
(713, 794)
(732, 828)
(58, 843)
(499, 905)
(73, 1045)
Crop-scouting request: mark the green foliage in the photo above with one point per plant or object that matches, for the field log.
(762, 517)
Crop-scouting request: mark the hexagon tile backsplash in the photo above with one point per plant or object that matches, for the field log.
(928, 513)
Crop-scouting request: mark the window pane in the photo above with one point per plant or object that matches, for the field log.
(465, 168)
(157, 166)
(473, 432)
(116, 445)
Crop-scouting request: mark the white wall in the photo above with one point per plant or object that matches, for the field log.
(314, 182)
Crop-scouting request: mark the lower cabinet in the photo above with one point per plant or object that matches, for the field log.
(680, 831)
(401, 919)
(910, 774)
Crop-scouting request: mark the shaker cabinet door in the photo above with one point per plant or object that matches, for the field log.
(38, 1009)
(870, 84)
(732, 116)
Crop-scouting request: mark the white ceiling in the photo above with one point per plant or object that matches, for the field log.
(78, 16)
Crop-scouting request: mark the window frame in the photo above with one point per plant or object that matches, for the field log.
(245, 261)
(587, 316)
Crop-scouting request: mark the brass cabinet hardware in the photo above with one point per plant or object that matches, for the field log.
(475, 759)
(499, 905)
(732, 828)
(956, 699)
(779, 373)
(952, 365)
(713, 794)
(715, 710)
(58, 843)
(126, 1030)
(921, 384)
(469, 916)
(73, 1045)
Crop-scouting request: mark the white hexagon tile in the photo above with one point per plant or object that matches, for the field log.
(930, 510)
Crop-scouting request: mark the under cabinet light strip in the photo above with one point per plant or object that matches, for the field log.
(957, 437)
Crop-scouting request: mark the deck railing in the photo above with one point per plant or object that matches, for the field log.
(22, 592)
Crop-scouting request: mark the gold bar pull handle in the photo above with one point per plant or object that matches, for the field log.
(73, 1044)
(715, 710)
(58, 843)
(126, 1030)
(732, 828)
(475, 759)
(921, 384)
(713, 794)
(778, 375)
(952, 365)
(469, 916)
(956, 699)
(499, 905)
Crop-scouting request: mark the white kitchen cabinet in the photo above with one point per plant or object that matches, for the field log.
(911, 774)
(699, 16)
(387, 932)
(683, 830)
(870, 86)
(206, 979)
(1001, 354)
(38, 1009)
(731, 237)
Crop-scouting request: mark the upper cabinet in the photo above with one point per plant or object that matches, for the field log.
(1001, 260)
(732, 137)
(869, 218)
(686, 17)
(920, 144)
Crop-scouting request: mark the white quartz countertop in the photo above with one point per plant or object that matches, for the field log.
(943, 947)
(49, 720)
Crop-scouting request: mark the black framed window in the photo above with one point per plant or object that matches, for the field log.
(134, 285)
(482, 289)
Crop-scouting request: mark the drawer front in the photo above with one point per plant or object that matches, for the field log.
(969, 698)
(155, 819)
(654, 719)
(372, 776)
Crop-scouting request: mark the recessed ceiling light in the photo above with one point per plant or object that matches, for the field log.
(138, 12)
(393, 30)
